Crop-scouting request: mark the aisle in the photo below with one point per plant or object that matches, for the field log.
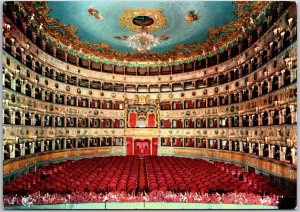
(142, 184)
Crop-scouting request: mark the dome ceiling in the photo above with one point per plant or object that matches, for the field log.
(179, 31)
(164, 31)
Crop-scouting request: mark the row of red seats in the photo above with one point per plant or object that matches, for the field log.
(90, 175)
(120, 173)
(186, 174)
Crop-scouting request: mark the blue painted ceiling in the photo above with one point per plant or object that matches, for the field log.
(212, 14)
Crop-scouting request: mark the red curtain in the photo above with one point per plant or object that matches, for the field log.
(179, 124)
(154, 146)
(81, 103)
(167, 124)
(190, 105)
(178, 142)
(178, 106)
(92, 105)
(104, 123)
(117, 123)
(203, 104)
(151, 120)
(132, 119)
(191, 143)
(104, 106)
(116, 106)
(167, 106)
(129, 146)
(169, 142)
(92, 123)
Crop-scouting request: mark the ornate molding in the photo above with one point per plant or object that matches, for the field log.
(156, 15)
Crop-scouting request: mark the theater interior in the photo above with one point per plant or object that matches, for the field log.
(149, 105)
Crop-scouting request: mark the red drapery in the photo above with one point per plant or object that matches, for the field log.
(104, 123)
(92, 105)
(178, 106)
(154, 146)
(190, 105)
(167, 106)
(168, 141)
(132, 119)
(151, 120)
(178, 142)
(191, 142)
(92, 123)
(129, 146)
(117, 123)
(104, 106)
(167, 124)
(116, 106)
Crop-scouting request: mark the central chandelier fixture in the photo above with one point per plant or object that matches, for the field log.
(142, 41)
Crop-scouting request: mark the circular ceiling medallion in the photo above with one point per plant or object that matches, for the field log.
(142, 20)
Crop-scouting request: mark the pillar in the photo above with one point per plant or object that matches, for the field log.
(206, 143)
(269, 82)
(230, 145)
(53, 144)
(13, 83)
(12, 116)
(22, 149)
(260, 123)
(270, 118)
(250, 148)
(23, 87)
(219, 146)
(293, 114)
(42, 146)
(271, 151)
(293, 154)
(250, 120)
(32, 147)
(89, 142)
(76, 143)
(65, 143)
(12, 154)
(241, 146)
(261, 149)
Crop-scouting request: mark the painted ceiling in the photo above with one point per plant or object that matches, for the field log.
(91, 29)
(184, 31)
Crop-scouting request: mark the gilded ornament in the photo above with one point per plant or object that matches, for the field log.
(130, 14)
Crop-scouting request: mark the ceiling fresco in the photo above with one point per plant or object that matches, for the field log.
(175, 31)
(170, 21)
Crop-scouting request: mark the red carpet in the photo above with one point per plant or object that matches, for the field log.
(142, 176)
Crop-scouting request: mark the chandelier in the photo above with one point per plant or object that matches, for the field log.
(142, 41)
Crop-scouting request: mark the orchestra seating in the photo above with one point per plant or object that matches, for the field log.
(123, 173)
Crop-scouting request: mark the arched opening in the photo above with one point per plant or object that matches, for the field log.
(287, 77)
(28, 90)
(255, 91)
(7, 81)
(276, 117)
(264, 88)
(7, 117)
(275, 83)
(265, 119)
(288, 116)
(18, 118)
